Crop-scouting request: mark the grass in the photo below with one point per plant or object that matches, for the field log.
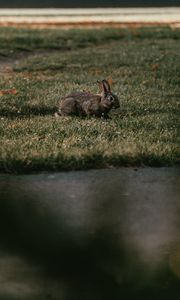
(44, 65)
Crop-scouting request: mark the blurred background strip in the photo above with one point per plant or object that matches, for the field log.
(90, 16)
(92, 3)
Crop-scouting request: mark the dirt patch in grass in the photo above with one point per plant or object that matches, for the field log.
(89, 25)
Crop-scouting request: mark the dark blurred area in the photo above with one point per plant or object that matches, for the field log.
(86, 4)
(95, 235)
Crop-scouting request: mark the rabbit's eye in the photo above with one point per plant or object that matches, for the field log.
(111, 98)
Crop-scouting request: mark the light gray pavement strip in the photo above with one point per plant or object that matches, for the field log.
(90, 235)
(96, 15)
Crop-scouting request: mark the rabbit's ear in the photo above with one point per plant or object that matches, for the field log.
(106, 86)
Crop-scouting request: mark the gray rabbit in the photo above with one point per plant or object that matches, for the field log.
(88, 104)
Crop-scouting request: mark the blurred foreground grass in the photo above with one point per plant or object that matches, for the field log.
(44, 65)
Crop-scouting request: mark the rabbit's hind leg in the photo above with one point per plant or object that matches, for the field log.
(69, 107)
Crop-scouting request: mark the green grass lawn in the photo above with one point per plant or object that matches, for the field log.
(44, 65)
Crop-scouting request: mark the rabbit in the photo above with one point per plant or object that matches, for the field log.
(88, 104)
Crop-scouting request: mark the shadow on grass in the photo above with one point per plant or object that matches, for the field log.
(86, 162)
(28, 111)
(40, 110)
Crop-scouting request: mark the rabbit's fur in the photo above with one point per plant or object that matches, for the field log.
(88, 104)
